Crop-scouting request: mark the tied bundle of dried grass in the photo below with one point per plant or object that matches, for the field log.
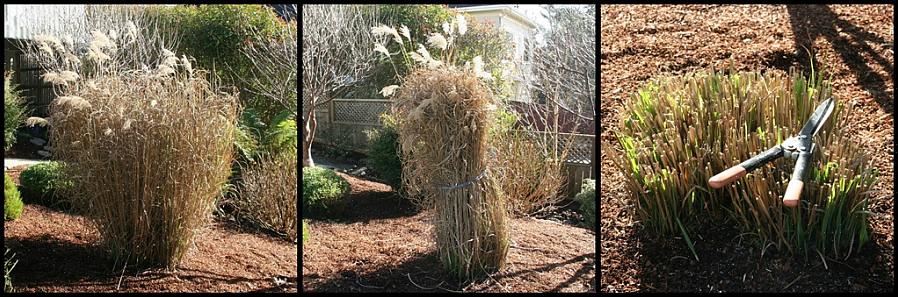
(147, 177)
(444, 116)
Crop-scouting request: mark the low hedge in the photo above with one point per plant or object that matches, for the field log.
(43, 183)
(322, 189)
(12, 200)
(587, 198)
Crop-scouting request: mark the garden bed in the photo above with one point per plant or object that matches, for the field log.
(58, 252)
(381, 244)
(640, 42)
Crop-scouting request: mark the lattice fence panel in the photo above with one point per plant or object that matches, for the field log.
(580, 149)
(360, 111)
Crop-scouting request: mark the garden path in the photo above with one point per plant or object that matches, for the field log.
(13, 162)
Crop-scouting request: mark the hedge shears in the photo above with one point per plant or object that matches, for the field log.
(798, 148)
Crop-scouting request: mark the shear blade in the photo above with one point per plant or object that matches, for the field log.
(820, 115)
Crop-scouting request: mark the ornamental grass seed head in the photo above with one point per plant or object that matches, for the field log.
(462, 24)
(405, 32)
(437, 40)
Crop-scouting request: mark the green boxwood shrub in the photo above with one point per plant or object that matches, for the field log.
(12, 200)
(587, 198)
(322, 189)
(383, 152)
(42, 183)
(13, 113)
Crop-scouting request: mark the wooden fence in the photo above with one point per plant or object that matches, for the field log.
(345, 123)
(27, 75)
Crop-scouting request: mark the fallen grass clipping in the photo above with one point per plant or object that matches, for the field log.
(677, 132)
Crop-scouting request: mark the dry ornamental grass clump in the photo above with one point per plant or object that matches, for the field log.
(678, 132)
(270, 191)
(444, 119)
(149, 157)
(148, 148)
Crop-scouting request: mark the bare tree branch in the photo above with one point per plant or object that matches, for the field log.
(338, 51)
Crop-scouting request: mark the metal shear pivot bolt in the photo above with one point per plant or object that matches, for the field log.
(798, 148)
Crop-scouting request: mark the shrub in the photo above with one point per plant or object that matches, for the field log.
(305, 232)
(587, 199)
(269, 193)
(8, 266)
(676, 133)
(282, 137)
(12, 201)
(321, 189)
(215, 35)
(383, 153)
(522, 155)
(13, 112)
(249, 134)
(45, 184)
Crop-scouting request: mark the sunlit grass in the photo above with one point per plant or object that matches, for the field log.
(677, 132)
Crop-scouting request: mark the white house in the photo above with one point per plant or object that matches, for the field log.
(520, 30)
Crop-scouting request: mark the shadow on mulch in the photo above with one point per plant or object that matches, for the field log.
(49, 260)
(667, 265)
(423, 273)
(582, 271)
(366, 206)
(810, 22)
(423, 269)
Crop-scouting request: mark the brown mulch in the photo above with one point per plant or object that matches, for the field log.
(58, 252)
(638, 42)
(381, 244)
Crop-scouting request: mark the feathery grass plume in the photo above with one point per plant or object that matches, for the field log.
(74, 102)
(425, 58)
(462, 24)
(384, 30)
(69, 76)
(446, 161)
(31, 121)
(418, 58)
(381, 49)
(97, 54)
(388, 90)
(100, 40)
(405, 32)
(164, 70)
(187, 65)
(447, 28)
(146, 186)
(438, 41)
(477, 63)
(113, 34)
(68, 41)
(131, 33)
(53, 78)
(677, 132)
(48, 44)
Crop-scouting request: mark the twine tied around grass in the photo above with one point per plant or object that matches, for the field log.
(464, 184)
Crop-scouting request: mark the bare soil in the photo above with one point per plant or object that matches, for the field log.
(58, 252)
(381, 243)
(638, 42)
